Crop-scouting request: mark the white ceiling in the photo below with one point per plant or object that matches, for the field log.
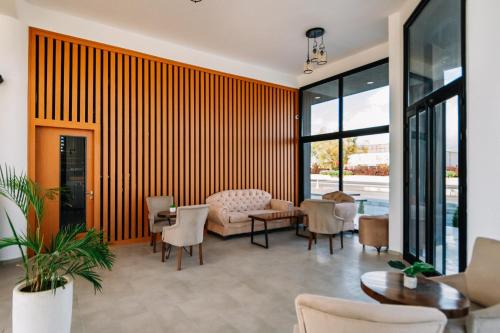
(267, 33)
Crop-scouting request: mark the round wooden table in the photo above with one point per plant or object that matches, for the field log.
(167, 214)
(387, 288)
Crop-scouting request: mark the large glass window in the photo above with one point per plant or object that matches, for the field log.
(366, 98)
(345, 140)
(320, 109)
(434, 48)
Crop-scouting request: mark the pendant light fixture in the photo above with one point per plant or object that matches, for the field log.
(317, 54)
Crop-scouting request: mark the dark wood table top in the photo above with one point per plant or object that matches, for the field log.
(285, 214)
(387, 288)
(167, 214)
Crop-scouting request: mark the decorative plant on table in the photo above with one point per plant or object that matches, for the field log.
(410, 272)
(50, 265)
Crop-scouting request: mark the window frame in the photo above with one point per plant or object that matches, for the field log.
(340, 134)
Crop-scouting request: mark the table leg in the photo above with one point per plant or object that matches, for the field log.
(300, 220)
(266, 245)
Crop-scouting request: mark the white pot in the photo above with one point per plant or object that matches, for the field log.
(410, 282)
(42, 312)
(172, 209)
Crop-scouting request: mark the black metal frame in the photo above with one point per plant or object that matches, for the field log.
(455, 88)
(341, 134)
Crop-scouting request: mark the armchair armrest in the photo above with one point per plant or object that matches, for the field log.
(217, 213)
(486, 320)
(456, 281)
(277, 204)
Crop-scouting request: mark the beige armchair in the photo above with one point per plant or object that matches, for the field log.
(156, 224)
(319, 314)
(187, 231)
(321, 219)
(345, 208)
(480, 284)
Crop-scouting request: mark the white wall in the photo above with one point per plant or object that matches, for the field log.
(343, 65)
(13, 114)
(483, 119)
(70, 25)
(396, 83)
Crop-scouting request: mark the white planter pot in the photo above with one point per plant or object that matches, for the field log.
(172, 210)
(42, 312)
(410, 282)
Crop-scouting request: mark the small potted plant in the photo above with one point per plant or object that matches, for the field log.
(172, 208)
(410, 272)
(43, 299)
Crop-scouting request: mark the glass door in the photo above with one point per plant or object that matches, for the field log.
(446, 191)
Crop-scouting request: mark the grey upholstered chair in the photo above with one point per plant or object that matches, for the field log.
(480, 284)
(156, 224)
(321, 219)
(187, 231)
(319, 314)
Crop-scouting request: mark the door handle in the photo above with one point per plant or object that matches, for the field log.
(91, 195)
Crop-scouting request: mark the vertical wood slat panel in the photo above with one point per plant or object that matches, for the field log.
(133, 151)
(57, 80)
(112, 145)
(104, 144)
(165, 129)
(49, 97)
(126, 148)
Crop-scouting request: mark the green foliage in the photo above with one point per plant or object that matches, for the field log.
(72, 251)
(454, 221)
(412, 270)
(451, 174)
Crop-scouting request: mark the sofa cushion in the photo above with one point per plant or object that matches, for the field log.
(238, 217)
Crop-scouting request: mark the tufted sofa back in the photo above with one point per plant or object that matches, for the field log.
(241, 200)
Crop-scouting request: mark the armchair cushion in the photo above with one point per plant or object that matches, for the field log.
(281, 205)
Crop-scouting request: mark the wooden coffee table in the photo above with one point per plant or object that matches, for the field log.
(387, 288)
(293, 214)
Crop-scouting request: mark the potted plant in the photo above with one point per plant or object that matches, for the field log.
(410, 272)
(172, 208)
(43, 299)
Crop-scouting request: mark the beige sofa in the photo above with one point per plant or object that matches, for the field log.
(229, 210)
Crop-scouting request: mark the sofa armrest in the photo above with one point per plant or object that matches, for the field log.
(277, 204)
(217, 213)
(456, 281)
(486, 320)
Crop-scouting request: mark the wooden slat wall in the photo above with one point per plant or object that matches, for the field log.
(165, 128)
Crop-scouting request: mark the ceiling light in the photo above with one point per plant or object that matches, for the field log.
(317, 97)
(317, 55)
(370, 82)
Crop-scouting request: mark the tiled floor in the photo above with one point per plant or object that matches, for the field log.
(241, 287)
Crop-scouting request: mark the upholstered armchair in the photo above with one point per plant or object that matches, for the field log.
(319, 314)
(480, 284)
(345, 208)
(321, 219)
(187, 231)
(156, 224)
